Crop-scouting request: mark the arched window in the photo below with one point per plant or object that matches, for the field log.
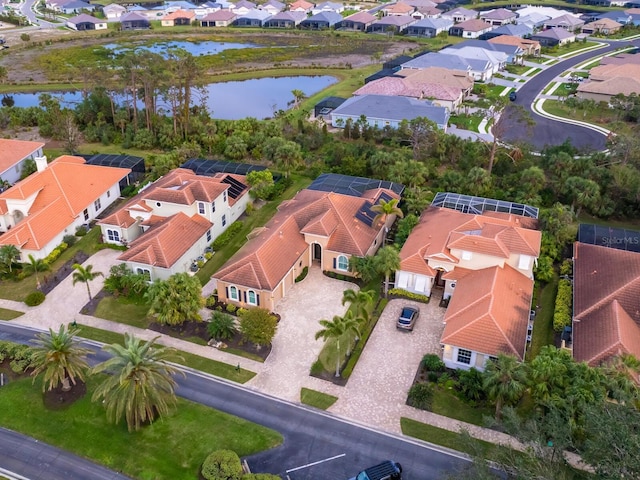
(233, 293)
(251, 297)
(342, 263)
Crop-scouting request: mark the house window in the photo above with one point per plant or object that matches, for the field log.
(208, 235)
(224, 196)
(201, 208)
(113, 235)
(213, 207)
(158, 204)
(145, 272)
(108, 193)
(86, 214)
(233, 293)
(464, 356)
(251, 298)
(342, 263)
(466, 255)
(524, 262)
(97, 204)
(224, 220)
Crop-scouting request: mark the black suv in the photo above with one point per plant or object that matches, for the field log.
(387, 470)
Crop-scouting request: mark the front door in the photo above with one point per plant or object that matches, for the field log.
(317, 252)
(439, 281)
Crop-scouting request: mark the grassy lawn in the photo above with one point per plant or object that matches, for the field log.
(598, 116)
(517, 69)
(448, 405)
(569, 48)
(467, 122)
(6, 314)
(317, 399)
(533, 72)
(213, 367)
(124, 310)
(171, 448)
(18, 290)
(543, 324)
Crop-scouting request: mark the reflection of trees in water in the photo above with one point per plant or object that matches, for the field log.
(7, 101)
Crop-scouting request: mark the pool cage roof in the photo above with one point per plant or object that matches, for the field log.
(354, 186)
(479, 205)
(201, 166)
(603, 236)
(136, 164)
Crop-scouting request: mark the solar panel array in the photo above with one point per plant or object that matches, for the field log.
(479, 205)
(365, 214)
(354, 186)
(136, 164)
(235, 188)
(201, 166)
(618, 238)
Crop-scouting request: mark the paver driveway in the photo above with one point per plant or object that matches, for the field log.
(377, 389)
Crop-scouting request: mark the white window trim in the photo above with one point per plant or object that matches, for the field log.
(237, 295)
(458, 351)
(524, 262)
(255, 297)
(201, 208)
(113, 235)
(338, 267)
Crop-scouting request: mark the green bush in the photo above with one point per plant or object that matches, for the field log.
(53, 256)
(564, 301)
(421, 395)
(210, 302)
(70, 240)
(81, 231)
(20, 356)
(432, 363)
(226, 236)
(222, 326)
(303, 274)
(34, 298)
(317, 368)
(411, 296)
(231, 308)
(471, 384)
(222, 465)
(258, 326)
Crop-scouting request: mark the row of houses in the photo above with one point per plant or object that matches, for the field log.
(616, 75)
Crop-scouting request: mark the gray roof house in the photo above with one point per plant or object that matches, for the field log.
(497, 60)
(134, 21)
(253, 18)
(272, 6)
(521, 30)
(616, 15)
(358, 21)
(553, 37)
(86, 22)
(499, 16)
(392, 23)
(568, 22)
(513, 52)
(285, 20)
(534, 20)
(460, 14)
(76, 6)
(321, 21)
(388, 111)
(328, 7)
(480, 70)
(429, 27)
(221, 18)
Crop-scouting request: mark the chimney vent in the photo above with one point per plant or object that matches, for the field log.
(41, 163)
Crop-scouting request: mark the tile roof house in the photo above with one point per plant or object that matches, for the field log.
(606, 305)
(483, 264)
(13, 155)
(429, 27)
(221, 18)
(443, 87)
(604, 26)
(359, 21)
(512, 29)
(113, 11)
(315, 227)
(321, 21)
(37, 212)
(460, 14)
(301, 6)
(253, 18)
(470, 29)
(272, 7)
(217, 200)
(569, 22)
(86, 22)
(606, 81)
(381, 111)
(554, 36)
(134, 21)
(534, 20)
(289, 19)
(499, 16)
(620, 59)
(513, 53)
(496, 59)
(399, 8)
(480, 70)
(529, 47)
(243, 7)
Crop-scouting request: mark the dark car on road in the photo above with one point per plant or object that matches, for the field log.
(407, 318)
(387, 470)
(512, 96)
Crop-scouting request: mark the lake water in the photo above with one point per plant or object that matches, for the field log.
(196, 49)
(259, 98)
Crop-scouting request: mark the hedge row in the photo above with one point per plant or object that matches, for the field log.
(564, 302)
(398, 292)
(226, 236)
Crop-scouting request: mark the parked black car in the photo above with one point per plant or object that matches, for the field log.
(387, 470)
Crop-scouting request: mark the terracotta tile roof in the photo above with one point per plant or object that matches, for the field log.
(489, 312)
(395, 85)
(399, 8)
(611, 86)
(606, 305)
(12, 151)
(497, 234)
(166, 242)
(523, 43)
(179, 14)
(60, 193)
(603, 72)
(457, 273)
(604, 23)
(620, 59)
(271, 251)
(301, 4)
(473, 25)
(362, 17)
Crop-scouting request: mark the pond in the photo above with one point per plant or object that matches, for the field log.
(259, 97)
(196, 49)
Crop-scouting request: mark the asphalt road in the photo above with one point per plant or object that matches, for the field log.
(341, 448)
(547, 131)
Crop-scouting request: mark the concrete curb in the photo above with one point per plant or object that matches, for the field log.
(537, 107)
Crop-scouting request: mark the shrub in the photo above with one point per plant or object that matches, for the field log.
(562, 312)
(411, 296)
(231, 308)
(210, 302)
(222, 465)
(81, 231)
(258, 326)
(432, 363)
(317, 368)
(471, 384)
(20, 355)
(70, 240)
(421, 395)
(303, 274)
(53, 256)
(34, 298)
(432, 377)
(221, 326)
(208, 255)
(225, 237)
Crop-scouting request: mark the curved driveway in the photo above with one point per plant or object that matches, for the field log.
(547, 131)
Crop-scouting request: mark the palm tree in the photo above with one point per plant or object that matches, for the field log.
(8, 254)
(504, 381)
(387, 260)
(361, 301)
(385, 209)
(141, 385)
(60, 357)
(85, 275)
(335, 329)
(298, 95)
(36, 265)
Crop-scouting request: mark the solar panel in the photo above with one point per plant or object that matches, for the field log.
(235, 187)
(201, 166)
(604, 236)
(136, 164)
(365, 215)
(479, 205)
(354, 186)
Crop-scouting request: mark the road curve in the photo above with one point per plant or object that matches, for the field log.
(309, 435)
(546, 131)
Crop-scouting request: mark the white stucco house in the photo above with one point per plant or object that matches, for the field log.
(13, 155)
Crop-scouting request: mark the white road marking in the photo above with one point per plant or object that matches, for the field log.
(315, 463)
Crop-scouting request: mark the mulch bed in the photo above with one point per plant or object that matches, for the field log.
(52, 281)
(57, 399)
(91, 306)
